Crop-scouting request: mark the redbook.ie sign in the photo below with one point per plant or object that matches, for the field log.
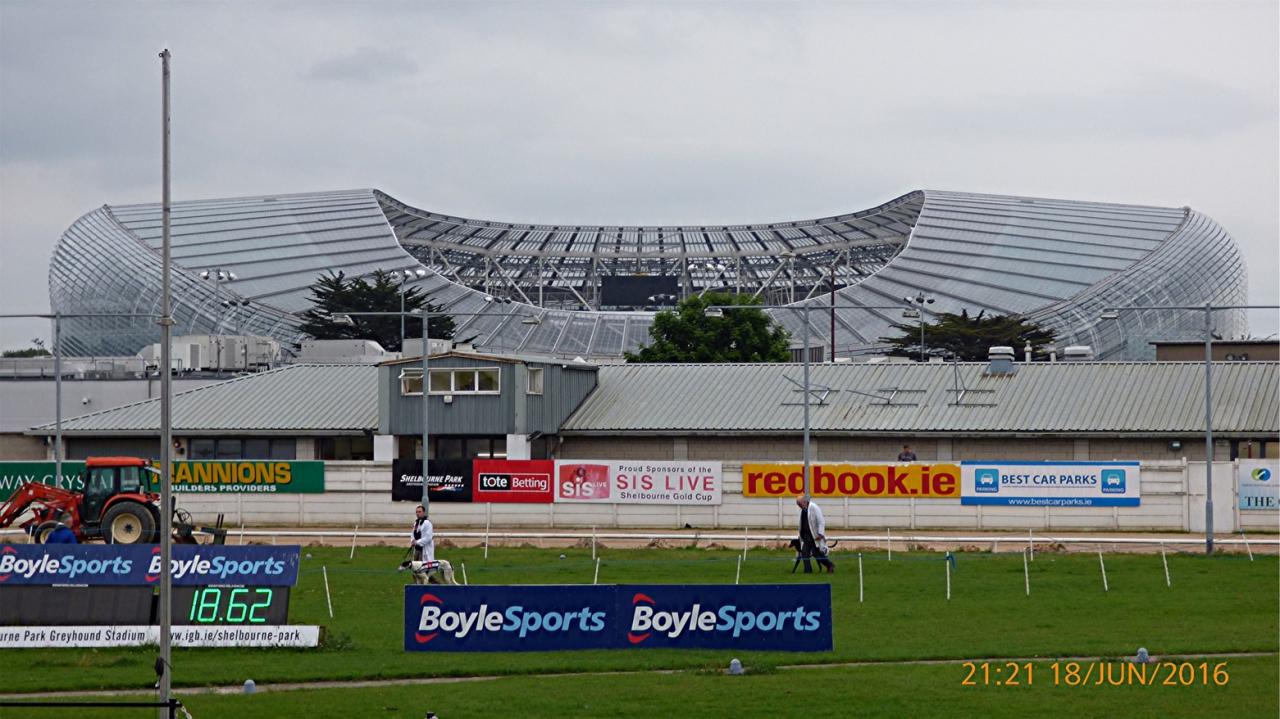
(775, 617)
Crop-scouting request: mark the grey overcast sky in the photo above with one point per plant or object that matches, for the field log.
(638, 112)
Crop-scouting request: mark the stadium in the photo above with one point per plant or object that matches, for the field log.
(591, 291)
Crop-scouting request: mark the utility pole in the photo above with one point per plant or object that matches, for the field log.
(166, 405)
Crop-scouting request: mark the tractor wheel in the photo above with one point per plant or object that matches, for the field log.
(42, 531)
(128, 523)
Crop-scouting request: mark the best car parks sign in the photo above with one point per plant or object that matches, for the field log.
(767, 617)
(867, 481)
(1050, 484)
(638, 482)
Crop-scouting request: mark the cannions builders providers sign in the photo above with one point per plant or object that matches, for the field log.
(1259, 484)
(139, 565)
(1050, 484)
(249, 476)
(867, 481)
(638, 482)
(767, 617)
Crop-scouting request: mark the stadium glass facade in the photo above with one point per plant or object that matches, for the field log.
(1056, 262)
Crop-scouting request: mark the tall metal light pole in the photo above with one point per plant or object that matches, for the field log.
(1111, 313)
(405, 276)
(718, 311)
(166, 397)
(920, 300)
(426, 316)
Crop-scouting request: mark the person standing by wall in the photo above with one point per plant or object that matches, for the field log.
(906, 455)
(813, 536)
(424, 538)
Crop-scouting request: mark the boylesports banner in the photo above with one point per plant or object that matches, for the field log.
(866, 481)
(638, 482)
(766, 617)
(133, 564)
(1050, 484)
(1259, 484)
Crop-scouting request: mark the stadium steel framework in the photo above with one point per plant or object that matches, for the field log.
(1057, 262)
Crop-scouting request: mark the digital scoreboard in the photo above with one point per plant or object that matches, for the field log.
(96, 595)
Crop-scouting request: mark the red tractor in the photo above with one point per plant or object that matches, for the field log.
(119, 505)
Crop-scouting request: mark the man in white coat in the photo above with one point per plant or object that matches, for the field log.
(424, 538)
(813, 535)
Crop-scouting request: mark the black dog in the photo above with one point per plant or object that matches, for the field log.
(798, 546)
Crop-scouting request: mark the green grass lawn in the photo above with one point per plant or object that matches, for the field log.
(863, 691)
(1221, 604)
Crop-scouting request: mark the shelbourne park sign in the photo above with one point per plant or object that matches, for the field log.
(244, 476)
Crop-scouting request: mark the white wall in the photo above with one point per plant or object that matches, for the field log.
(359, 494)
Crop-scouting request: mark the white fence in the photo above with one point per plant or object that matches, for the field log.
(359, 494)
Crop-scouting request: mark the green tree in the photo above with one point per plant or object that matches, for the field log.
(28, 352)
(968, 338)
(335, 294)
(686, 334)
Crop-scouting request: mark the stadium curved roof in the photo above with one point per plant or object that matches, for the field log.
(1058, 262)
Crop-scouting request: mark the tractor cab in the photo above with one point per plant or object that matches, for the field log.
(119, 502)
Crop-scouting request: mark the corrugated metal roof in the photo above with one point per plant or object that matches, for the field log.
(297, 398)
(1086, 397)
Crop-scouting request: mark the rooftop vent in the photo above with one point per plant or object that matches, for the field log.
(1000, 361)
(1077, 353)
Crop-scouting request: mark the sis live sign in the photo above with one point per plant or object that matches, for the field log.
(781, 617)
(137, 565)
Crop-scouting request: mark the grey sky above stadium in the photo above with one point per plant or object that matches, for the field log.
(639, 112)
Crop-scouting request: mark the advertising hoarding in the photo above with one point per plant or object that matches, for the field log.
(1259, 484)
(921, 480)
(513, 480)
(238, 476)
(450, 480)
(638, 482)
(1050, 484)
(133, 564)
(774, 617)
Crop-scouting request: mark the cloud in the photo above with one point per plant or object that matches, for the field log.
(364, 65)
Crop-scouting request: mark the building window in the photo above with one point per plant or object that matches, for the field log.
(411, 382)
(346, 448)
(485, 380)
(210, 448)
(535, 381)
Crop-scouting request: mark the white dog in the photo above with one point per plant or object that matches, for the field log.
(438, 571)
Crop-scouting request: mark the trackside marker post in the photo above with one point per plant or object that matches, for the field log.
(593, 541)
(464, 574)
(1103, 565)
(888, 543)
(1031, 545)
(1165, 560)
(1026, 575)
(327, 598)
(596, 579)
(744, 543)
(353, 542)
(487, 519)
(859, 577)
(1246, 545)
(947, 561)
(737, 578)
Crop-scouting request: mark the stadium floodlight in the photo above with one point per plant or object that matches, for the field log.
(1112, 313)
